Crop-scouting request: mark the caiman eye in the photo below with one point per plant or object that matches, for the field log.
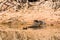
(35, 20)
